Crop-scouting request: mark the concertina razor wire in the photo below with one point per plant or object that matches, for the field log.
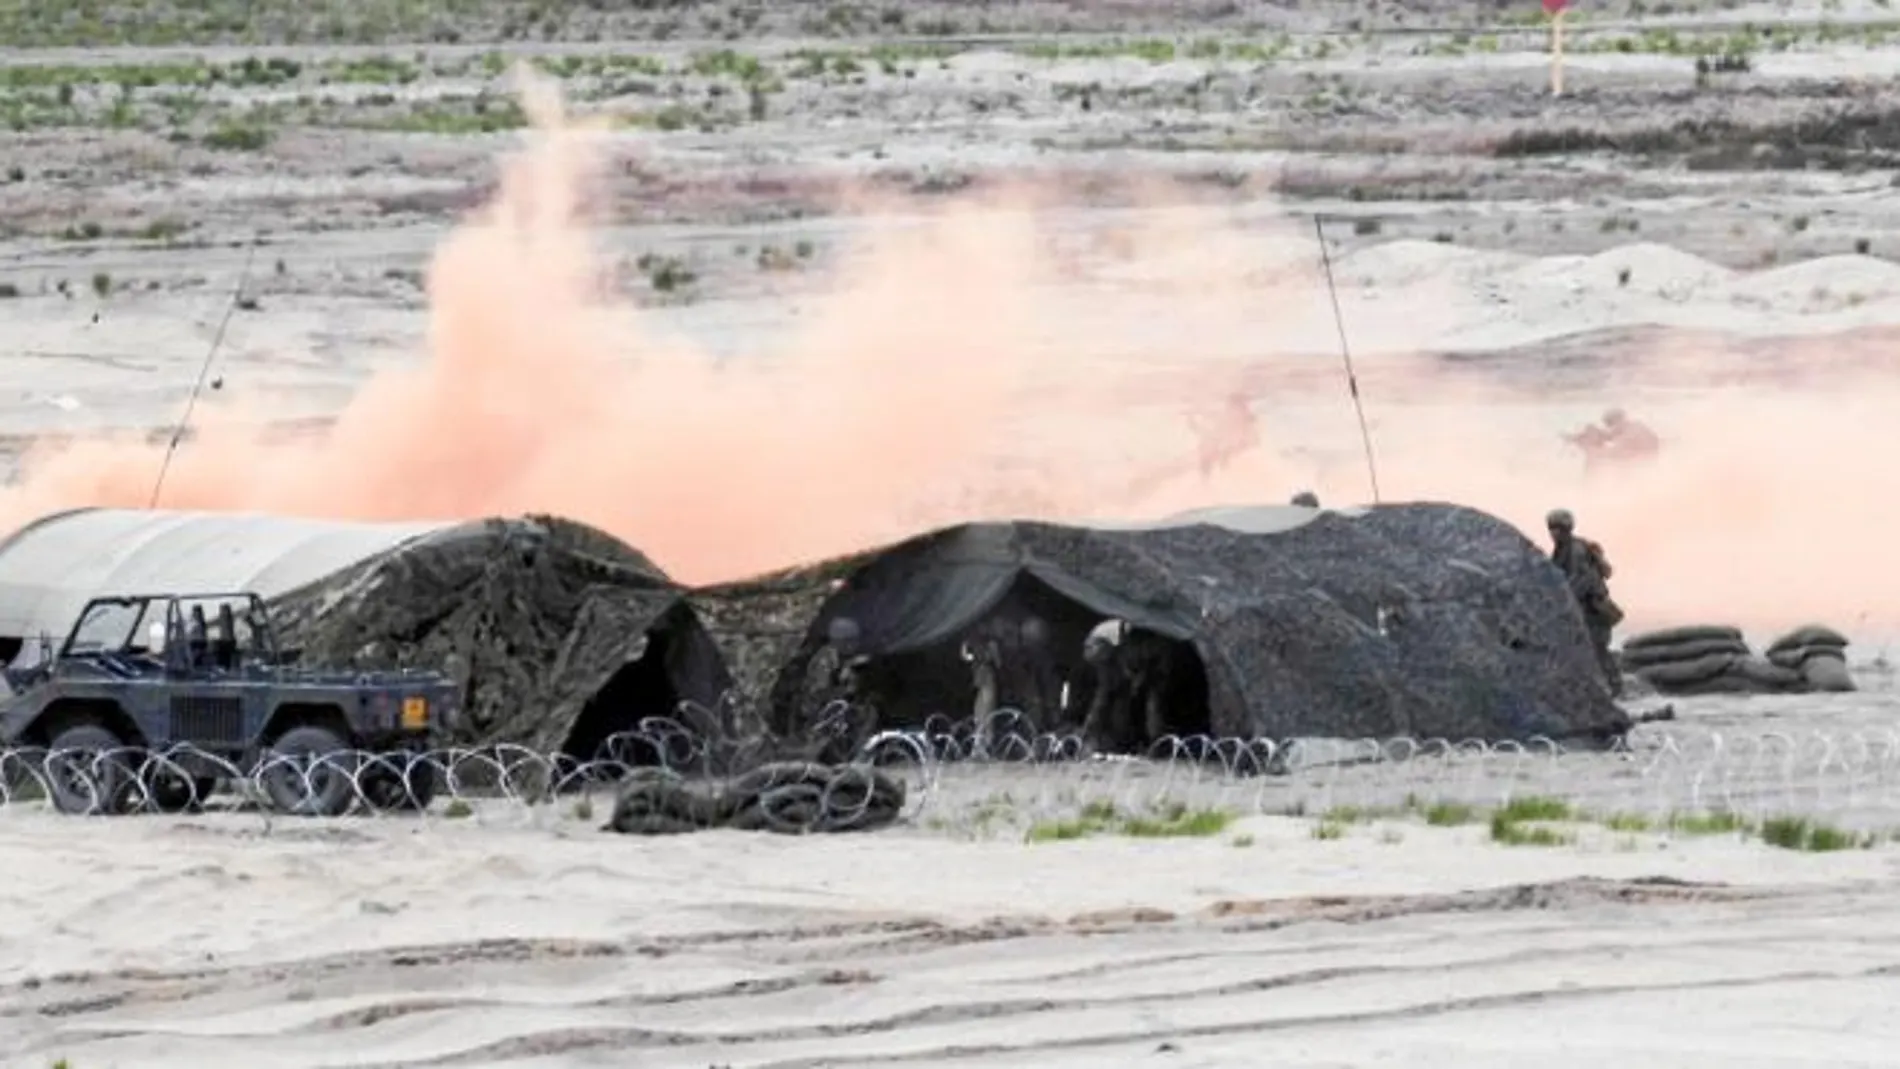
(990, 778)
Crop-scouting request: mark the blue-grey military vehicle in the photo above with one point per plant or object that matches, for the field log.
(153, 701)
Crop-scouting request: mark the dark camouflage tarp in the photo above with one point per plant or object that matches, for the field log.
(1425, 620)
(532, 617)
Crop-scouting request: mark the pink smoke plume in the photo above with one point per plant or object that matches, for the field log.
(950, 371)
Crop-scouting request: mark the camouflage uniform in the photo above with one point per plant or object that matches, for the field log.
(1105, 727)
(1587, 570)
(985, 659)
(1147, 657)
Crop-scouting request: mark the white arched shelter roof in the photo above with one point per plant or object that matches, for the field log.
(50, 568)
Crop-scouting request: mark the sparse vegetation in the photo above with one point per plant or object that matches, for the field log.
(238, 136)
(1799, 833)
(1449, 814)
(666, 274)
(1165, 821)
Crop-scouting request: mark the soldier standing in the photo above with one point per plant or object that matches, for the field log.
(1105, 725)
(1587, 571)
(832, 673)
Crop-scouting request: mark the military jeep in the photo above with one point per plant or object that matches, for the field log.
(153, 700)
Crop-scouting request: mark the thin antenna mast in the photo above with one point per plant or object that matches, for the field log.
(191, 402)
(1345, 352)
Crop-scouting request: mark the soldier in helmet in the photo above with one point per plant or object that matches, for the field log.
(832, 673)
(1306, 498)
(1105, 726)
(1587, 570)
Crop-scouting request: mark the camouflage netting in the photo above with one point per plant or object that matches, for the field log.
(1715, 659)
(533, 618)
(1426, 620)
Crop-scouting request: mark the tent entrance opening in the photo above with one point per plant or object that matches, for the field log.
(1030, 655)
(1143, 688)
(641, 688)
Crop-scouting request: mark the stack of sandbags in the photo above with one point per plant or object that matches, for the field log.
(789, 797)
(1697, 659)
(1817, 654)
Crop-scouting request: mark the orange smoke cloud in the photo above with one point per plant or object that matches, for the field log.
(957, 369)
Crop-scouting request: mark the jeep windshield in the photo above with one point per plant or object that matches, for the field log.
(114, 626)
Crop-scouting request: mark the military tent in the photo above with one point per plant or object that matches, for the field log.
(1424, 620)
(559, 634)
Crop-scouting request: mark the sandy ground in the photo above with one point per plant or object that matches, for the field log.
(139, 190)
(525, 937)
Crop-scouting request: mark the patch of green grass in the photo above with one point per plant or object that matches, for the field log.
(1449, 814)
(726, 63)
(1242, 840)
(1169, 821)
(457, 810)
(1512, 833)
(1152, 49)
(1198, 823)
(1329, 829)
(1520, 822)
(1532, 807)
(234, 135)
(372, 70)
(1799, 833)
(1714, 822)
(481, 115)
(1626, 822)
(1351, 814)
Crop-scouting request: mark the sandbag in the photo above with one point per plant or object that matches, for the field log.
(1766, 674)
(1809, 635)
(1670, 636)
(789, 797)
(1678, 652)
(1726, 683)
(1681, 673)
(1826, 673)
(1796, 656)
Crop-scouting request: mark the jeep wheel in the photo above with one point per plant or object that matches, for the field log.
(169, 792)
(85, 772)
(307, 772)
(401, 782)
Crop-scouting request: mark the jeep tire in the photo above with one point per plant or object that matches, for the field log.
(401, 782)
(325, 756)
(88, 754)
(169, 792)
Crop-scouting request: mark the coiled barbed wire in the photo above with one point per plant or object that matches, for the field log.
(688, 771)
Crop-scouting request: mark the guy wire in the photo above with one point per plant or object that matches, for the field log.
(191, 402)
(1345, 352)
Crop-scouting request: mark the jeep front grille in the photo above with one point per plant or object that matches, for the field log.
(208, 719)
